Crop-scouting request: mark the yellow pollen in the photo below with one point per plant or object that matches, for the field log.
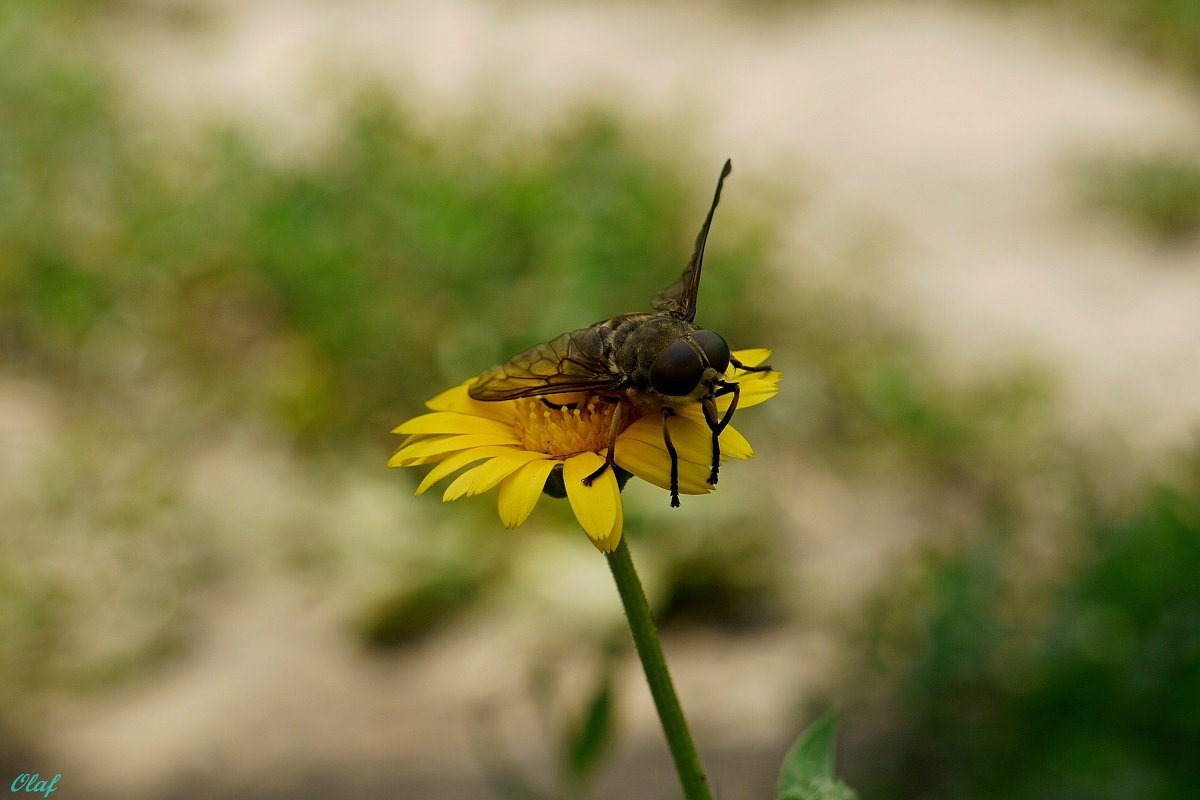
(564, 431)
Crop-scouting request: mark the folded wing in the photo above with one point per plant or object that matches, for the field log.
(577, 361)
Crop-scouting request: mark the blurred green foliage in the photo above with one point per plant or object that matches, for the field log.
(1166, 30)
(581, 734)
(718, 581)
(1098, 698)
(330, 296)
(865, 392)
(1159, 195)
(417, 608)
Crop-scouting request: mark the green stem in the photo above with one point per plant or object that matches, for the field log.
(645, 637)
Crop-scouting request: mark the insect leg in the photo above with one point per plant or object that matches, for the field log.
(726, 388)
(613, 430)
(744, 368)
(667, 413)
(710, 416)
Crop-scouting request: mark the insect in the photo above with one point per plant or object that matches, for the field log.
(639, 361)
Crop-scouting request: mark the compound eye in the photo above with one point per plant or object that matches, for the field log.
(715, 349)
(677, 370)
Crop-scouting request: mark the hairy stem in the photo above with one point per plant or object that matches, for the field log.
(649, 649)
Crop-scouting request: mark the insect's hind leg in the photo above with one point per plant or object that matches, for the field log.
(613, 430)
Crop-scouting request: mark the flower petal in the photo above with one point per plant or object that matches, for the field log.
(595, 506)
(452, 422)
(652, 464)
(459, 401)
(756, 387)
(461, 485)
(483, 477)
(734, 445)
(501, 467)
(610, 542)
(436, 448)
(457, 461)
(689, 433)
(519, 492)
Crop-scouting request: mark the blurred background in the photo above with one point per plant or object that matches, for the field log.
(239, 242)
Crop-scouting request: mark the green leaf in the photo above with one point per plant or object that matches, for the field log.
(807, 772)
(820, 789)
(812, 754)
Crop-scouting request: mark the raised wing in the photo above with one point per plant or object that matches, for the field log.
(577, 361)
(679, 299)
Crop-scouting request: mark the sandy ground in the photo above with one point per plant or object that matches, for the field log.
(941, 130)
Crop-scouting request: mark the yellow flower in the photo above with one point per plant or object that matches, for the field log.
(521, 442)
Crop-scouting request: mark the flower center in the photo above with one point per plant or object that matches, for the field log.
(580, 427)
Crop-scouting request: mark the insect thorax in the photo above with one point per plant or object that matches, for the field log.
(638, 340)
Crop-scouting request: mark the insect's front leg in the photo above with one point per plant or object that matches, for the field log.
(667, 413)
(614, 429)
(744, 368)
(717, 426)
